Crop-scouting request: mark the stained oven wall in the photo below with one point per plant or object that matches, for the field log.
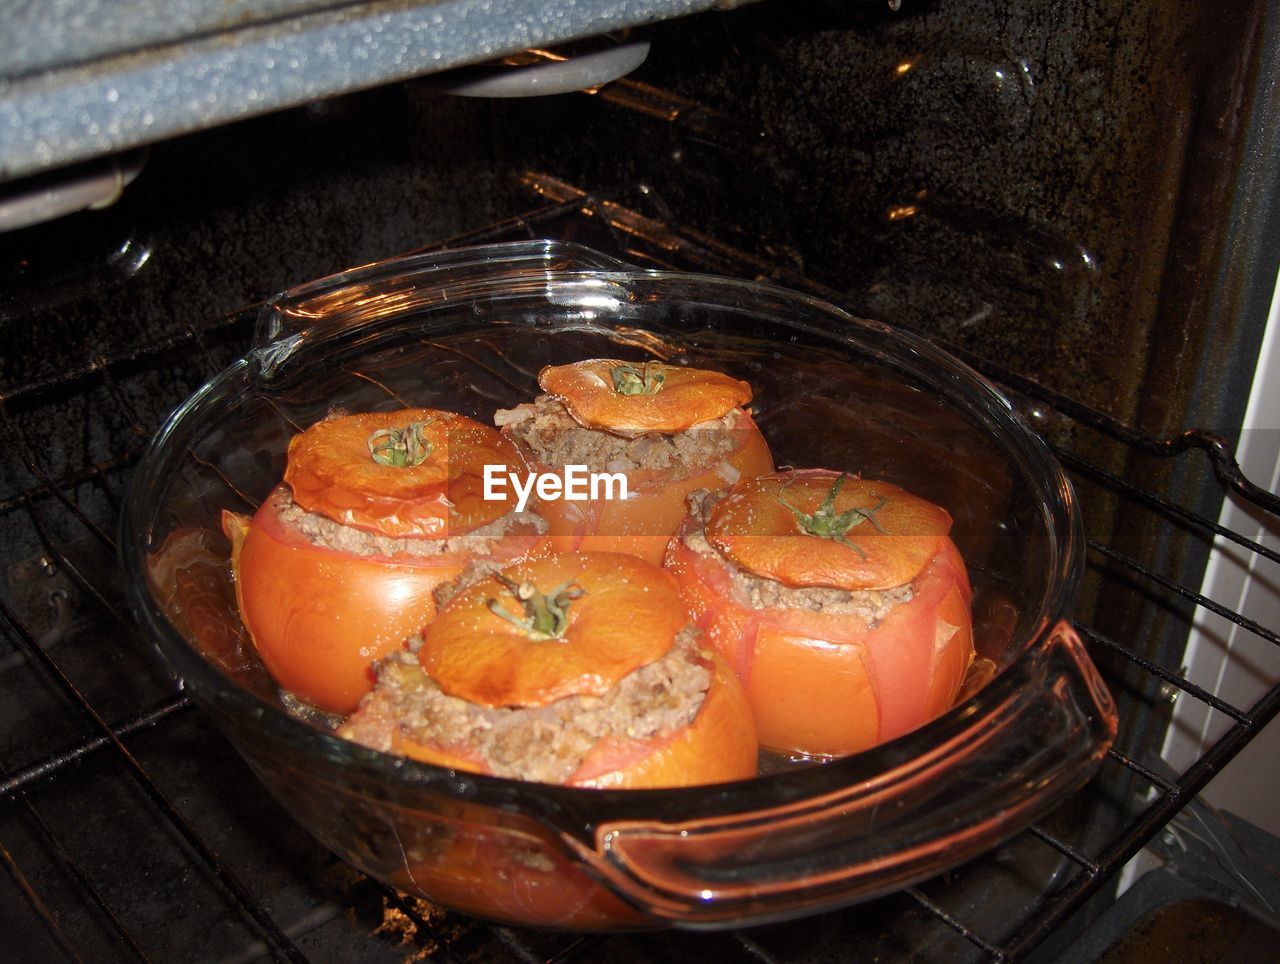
(1049, 181)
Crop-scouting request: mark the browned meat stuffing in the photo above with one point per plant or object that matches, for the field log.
(759, 592)
(546, 743)
(476, 570)
(546, 429)
(323, 531)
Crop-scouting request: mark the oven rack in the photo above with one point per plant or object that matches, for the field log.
(58, 504)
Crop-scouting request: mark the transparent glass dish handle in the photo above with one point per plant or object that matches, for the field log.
(995, 769)
(363, 299)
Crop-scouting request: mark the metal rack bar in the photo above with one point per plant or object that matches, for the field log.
(957, 925)
(81, 878)
(1218, 449)
(20, 445)
(38, 493)
(113, 388)
(1090, 867)
(55, 762)
(753, 948)
(1154, 502)
(1145, 772)
(1186, 593)
(75, 377)
(522, 224)
(80, 579)
(221, 872)
(37, 904)
(578, 946)
(1151, 666)
(1134, 837)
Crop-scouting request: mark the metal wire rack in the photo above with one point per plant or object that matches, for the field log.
(130, 831)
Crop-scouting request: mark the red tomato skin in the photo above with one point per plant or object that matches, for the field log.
(718, 746)
(508, 875)
(827, 685)
(320, 617)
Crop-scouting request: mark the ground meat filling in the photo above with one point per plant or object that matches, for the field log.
(475, 570)
(546, 743)
(323, 531)
(759, 592)
(546, 429)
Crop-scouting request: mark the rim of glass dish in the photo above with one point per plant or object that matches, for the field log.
(983, 400)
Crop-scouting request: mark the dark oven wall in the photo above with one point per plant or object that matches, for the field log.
(1054, 179)
(1050, 182)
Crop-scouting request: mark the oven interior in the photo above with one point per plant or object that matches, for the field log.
(1075, 198)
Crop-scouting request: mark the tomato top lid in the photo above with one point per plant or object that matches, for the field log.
(572, 624)
(815, 527)
(633, 398)
(411, 472)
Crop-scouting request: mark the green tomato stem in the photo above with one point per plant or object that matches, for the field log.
(400, 448)
(825, 523)
(546, 615)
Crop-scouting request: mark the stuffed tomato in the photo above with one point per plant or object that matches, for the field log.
(668, 430)
(340, 564)
(841, 603)
(578, 668)
(505, 872)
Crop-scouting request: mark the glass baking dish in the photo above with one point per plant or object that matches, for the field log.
(468, 330)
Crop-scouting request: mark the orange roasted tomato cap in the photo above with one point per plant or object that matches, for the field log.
(572, 624)
(815, 527)
(411, 472)
(633, 398)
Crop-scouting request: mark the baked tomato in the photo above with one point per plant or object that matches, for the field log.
(513, 875)
(841, 603)
(339, 566)
(636, 398)
(412, 472)
(578, 668)
(669, 430)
